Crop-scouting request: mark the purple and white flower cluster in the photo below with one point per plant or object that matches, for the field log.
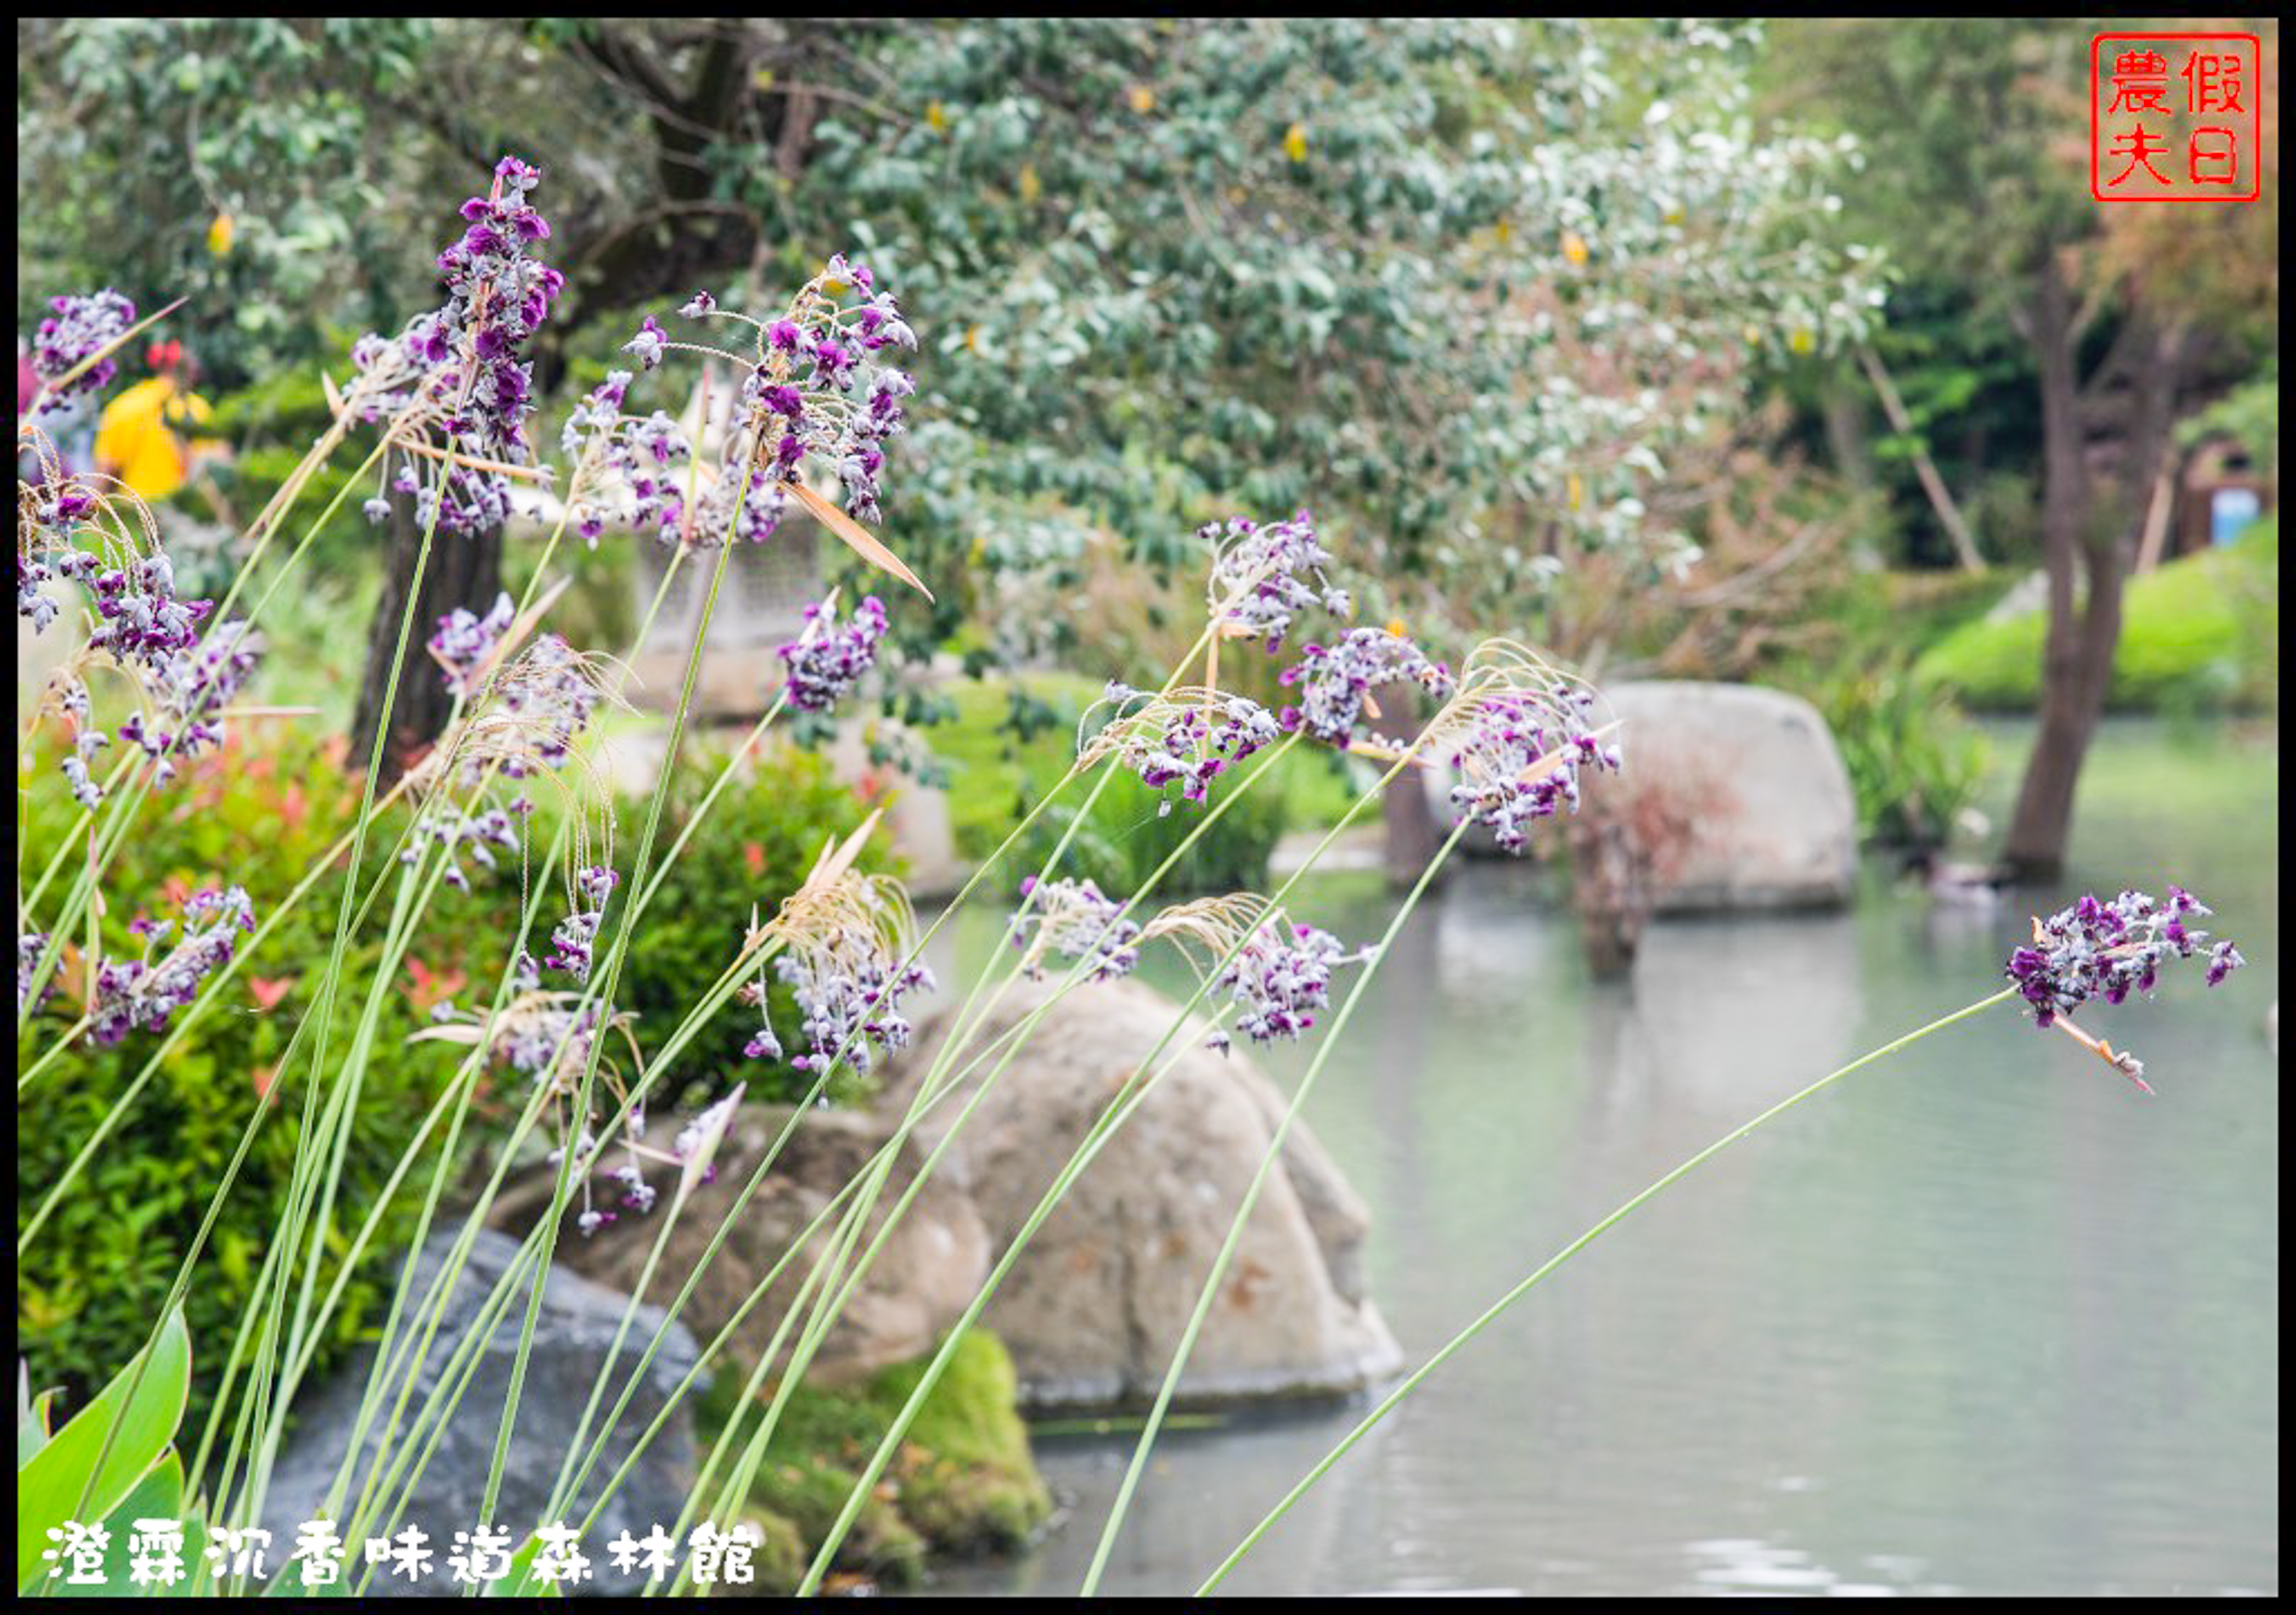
(552, 696)
(1263, 576)
(829, 658)
(848, 951)
(1189, 737)
(1334, 680)
(1072, 918)
(78, 327)
(847, 998)
(571, 942)
(458, 367)
(463, 643)
(135, 994)
(188, 693)
(1281, 976)
(29, 946)
(631, 466)
(817, 388)
(140, 625)
(1520, 756)
(2109, 949)
(696, 1141)
(477, 833)
(524, 721)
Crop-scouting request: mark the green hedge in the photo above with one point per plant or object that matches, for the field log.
(91, 1281)
(2201, 633)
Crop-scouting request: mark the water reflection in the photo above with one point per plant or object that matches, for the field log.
(1984, 1319)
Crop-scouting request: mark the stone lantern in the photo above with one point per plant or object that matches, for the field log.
(760, 606)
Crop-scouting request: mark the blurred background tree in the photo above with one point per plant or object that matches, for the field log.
(2126, 319)
(1499, 299)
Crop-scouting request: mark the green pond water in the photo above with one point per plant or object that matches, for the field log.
(1983, 1319)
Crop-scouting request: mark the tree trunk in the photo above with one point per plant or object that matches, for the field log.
(2078, 655)
(462, 571)
(1940, 498)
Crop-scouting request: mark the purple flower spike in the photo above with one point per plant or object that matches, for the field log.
(141, 995)
(1334, 681)
(830, 659)
(2104, 949)
(1281, 976)
(1263, 576)
(464, 643)
(78, 327)
(1072, 918)
(455, 373)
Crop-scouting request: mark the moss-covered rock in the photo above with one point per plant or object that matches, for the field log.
(962, 1482)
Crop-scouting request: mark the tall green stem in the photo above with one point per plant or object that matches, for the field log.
(1267, 1160)
(1409, 1384)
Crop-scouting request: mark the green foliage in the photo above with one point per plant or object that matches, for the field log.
(91, 1282)
(757, 846)
(129, 1428)
(281, 123)
(1866, 620)
(1914, 763)
(1168, 272)
(2199, 633)
(964, 1482)
(996, 778)
(2251, 415)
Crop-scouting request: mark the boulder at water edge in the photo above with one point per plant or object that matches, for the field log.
(572, 1337)
(1736, 795)
(919, 1283)
(1095, 1306)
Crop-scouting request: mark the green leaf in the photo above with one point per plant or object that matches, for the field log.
(520, 1582)
(31, 1416)
(159, 1495)
(49, 1487)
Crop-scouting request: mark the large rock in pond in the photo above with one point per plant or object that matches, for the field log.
(918, 1286)
(1094, 1307)
(572, 1338)
(1736, 795)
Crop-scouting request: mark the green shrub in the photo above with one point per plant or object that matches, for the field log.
(1126, 836)
(756, 848)
(2199, 633)
(1914, 761)
(92, 1281)
(260, 817)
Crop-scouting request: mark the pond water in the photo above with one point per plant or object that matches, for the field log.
(1983, 1319)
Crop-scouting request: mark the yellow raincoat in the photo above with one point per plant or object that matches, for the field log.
(136, 440)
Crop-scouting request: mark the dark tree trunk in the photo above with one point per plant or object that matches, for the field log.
(2083, 635)
(461, 571)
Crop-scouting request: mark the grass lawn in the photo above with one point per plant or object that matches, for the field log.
(2201, 633)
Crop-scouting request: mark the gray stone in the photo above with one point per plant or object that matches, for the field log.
(1094, 1307)
(1736, 795)
(572, 1333)
(914, 1288)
